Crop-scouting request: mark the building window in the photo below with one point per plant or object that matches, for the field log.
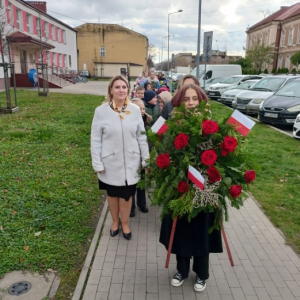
(261, 39)
(282, 38)
(46, 27)
(298, 36)
(291, 36)
(19, 20)
(64, 37)
(287, 62)
(102, 51)
(267, 39)
(31, 58)
(66, 60)
(11, 14)
(58, 35)
(53, 32)
(29, 23)
(47, 56)
(38, 27)
(70, 61)
(279, 62)
(60, 61)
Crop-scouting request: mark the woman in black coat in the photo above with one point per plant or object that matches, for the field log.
(191, 239)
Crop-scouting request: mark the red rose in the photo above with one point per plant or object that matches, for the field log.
(182, 186)
(209, 157)
(163, 160)
(229, 144)
(181, 141)
(235, 191)
(209, 127)
(249, 176)
(214, 174)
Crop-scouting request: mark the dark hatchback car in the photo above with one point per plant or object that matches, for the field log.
(282, 107)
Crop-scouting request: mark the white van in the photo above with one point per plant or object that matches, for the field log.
(213, 71)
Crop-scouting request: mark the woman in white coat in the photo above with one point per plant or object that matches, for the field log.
(118, 148)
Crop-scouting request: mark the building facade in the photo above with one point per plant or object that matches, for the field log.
(107, 50)
(281, 32)
(32, 36)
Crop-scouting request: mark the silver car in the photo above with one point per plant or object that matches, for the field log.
(249, 101)
(229, 95)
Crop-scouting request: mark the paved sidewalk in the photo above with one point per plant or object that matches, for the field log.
(265, 268)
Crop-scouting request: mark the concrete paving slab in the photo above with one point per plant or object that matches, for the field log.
(40, 285)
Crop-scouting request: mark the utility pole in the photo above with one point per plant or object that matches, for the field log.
(199, 39)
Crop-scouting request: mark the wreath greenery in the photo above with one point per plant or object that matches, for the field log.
(213, 148)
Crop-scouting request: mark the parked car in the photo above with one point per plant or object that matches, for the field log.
(249, 101)
(177, 76)
(209, 82)
(229, 95)
(215, 91)
(85, 73)
(296, 129)
(284, 106)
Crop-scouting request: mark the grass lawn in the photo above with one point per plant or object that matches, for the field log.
(277, 184)
(49, 198)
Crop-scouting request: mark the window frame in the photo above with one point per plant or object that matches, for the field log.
(19, 19)
(64, 37)
(102, 51)
(291, 36)
(46, 28)
(38, 27)
(53, 32)
(282, 42)
(29, 23)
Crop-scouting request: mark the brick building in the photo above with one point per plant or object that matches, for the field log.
(280, 31)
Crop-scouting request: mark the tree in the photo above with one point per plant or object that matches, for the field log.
(295, 60)
(151, 56)
(259, 55)
(245, 64)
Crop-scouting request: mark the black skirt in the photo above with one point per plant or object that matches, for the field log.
(124, 192)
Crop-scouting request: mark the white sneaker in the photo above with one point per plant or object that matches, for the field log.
(200, 285)
(177, 280)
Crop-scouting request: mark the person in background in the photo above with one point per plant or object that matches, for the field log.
(141, 193)
(163, 99)
(138, 80)
(139, 92)
(118, 148)
(187, 79)
(151, 104)
(148, 86)
(154, 81)
(160, 76)
(127, 76)
(191, 239)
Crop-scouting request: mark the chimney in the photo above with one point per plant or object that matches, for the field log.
(41, 5)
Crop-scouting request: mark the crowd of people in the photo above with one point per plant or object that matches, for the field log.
(119, 148)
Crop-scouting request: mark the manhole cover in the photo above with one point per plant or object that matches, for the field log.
(19, 288)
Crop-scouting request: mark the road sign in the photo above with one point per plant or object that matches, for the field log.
(207, 45)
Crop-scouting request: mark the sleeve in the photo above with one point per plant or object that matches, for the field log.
(164, 113)
(96, 142)
(142, 140)
(158, 85)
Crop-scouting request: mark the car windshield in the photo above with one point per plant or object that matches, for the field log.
(232, 80)
(244, 85)
(291, 89)
(270, 84)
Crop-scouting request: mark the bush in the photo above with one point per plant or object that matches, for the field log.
(266, 71)
(274, 71)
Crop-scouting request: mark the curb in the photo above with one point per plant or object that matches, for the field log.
(89, 258)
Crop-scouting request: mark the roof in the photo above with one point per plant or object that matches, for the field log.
(284, 13)
(45, 14)
(107, 24)
(20, 37)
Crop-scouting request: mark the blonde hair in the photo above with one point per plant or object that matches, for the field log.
(111, 83)
(181, 81)
(135, 101)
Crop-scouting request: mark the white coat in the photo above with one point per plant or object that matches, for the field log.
(118, 146)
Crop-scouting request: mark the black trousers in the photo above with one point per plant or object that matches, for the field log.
(140, 197)
(200, 266)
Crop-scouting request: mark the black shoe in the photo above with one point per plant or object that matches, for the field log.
(127, 236)
(132, 214)
(200, 285)
(114, 232)
(177, 279)
(144, 209)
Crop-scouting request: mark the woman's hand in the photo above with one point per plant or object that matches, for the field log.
(101, 172)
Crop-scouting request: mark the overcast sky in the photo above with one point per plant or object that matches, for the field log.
(227, 19)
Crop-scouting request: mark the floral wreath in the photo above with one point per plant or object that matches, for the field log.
(215, 149)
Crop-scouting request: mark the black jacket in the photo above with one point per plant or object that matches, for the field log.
(192, 238)
(166, 112)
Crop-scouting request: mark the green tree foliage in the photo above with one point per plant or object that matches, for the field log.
(295, 59)
(259, 55)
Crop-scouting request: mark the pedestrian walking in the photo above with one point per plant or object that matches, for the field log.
(118, 147)
(141, 193)
(192, 238)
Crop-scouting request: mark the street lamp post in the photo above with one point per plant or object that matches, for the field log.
(180, 10)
